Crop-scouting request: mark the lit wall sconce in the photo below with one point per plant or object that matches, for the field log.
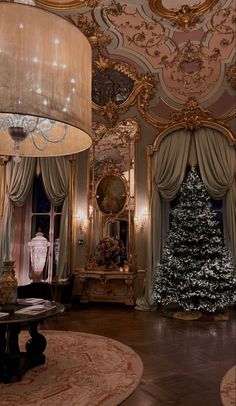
(82, 222)
(141, 221)
(90, 211)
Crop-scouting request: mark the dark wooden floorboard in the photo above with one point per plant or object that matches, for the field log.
(184, 361)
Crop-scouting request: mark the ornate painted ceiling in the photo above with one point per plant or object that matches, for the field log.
(157, 54)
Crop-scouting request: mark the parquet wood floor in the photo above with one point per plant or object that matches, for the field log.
(184, 361)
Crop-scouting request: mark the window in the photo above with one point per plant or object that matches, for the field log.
(42, 216)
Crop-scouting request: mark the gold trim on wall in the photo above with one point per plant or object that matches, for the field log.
(231, 75)
(186, 17)
(3, 161)
(191, 117)
(143, 90)
(93, 32)
(72, 207)
(66, 5)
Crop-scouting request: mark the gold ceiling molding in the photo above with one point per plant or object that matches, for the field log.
(115, 8)
(67, 4)
(186, 17)
(231, 75)
(91, 30)
(142, 91)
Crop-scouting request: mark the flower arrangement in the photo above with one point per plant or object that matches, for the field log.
(108, 251)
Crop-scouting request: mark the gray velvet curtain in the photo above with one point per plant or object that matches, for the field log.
(55, 174)
(217, 163)
(168, 169)
(19, 179)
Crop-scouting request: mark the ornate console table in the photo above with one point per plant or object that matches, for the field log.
(108, 286)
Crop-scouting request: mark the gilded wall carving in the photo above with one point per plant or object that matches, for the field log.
(90, 29)
(186, 16)
(117, 87)
(111, 187)
(67, 4)
(110, 145)
(231, 75)
(191, 116)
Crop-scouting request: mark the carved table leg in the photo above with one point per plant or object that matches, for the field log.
(83, 282)
(12, 358)
(130, 300)
(35, 347)
(3, 344)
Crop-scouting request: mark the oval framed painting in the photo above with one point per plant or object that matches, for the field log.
(111, 194)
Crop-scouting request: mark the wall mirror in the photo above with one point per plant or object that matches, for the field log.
(111, 189)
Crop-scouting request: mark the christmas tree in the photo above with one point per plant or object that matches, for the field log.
(196, 269)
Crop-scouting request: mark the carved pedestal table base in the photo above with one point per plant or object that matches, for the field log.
(13, 362)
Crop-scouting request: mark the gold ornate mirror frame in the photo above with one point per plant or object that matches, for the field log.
(186, 17)
(112, 155)
(143, 90)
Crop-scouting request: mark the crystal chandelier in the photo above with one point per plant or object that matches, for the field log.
(45, 84)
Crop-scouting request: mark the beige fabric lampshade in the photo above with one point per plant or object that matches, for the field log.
(45, 71)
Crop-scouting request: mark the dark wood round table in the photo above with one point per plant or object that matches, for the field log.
(13, 362)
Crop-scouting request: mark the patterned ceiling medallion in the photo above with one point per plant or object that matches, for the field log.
(191, 66)
(186, 17)
(67, 4)
(231, 75)
(117, 87)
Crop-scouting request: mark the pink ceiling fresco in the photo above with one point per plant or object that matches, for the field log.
(191, 64)
(185, 63)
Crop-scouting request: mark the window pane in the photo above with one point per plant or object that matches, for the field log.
(41, 223)
(56, 243)
(216, 204)
(40, 202)
(58, 209)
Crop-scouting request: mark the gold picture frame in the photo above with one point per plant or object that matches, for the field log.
(111, 194)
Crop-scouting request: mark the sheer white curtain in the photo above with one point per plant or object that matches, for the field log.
(55, 174)
(19, 179)
(168, 170)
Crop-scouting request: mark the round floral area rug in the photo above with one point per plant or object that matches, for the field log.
(80, 370)
(228, 388)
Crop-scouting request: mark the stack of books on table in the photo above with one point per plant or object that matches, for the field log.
(3, 315)
(32, 310)
(34, 306)
(30, 301)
